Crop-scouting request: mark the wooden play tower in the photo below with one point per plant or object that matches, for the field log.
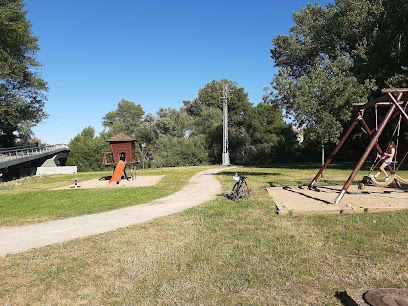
(393, 99)
(123, 154)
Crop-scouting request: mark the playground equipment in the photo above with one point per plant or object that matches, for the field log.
(391, 98)
(123, 154)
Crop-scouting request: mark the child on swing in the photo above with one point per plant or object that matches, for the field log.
(387, 158)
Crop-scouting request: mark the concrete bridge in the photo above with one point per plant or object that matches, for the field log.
(24, 161)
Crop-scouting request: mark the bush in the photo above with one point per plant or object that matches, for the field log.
(170, 152)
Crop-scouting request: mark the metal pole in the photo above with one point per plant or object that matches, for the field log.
(365, 155)
(340, 144)
(225, 153)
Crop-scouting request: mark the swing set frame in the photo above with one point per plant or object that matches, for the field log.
(393, 98)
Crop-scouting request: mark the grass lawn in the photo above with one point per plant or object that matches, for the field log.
(30, 200)
(221, 252)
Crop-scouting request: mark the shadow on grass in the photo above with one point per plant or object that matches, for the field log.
(313, 166)
(245, 173)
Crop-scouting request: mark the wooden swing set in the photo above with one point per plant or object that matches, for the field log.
(393, 99)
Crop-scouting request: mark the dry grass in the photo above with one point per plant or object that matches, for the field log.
(221, 252)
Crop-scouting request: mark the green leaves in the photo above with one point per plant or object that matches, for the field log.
(170, 152)
(320, 100)
(86, 150)
(372, 33)
(335, 56)
(127, 116)
(21, 89)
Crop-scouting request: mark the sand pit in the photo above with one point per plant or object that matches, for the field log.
(96, 183)
(301, 201)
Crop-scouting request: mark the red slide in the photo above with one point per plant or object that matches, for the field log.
(117, 174)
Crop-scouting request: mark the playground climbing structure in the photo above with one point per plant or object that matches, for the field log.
(123, 155)
(393, 99)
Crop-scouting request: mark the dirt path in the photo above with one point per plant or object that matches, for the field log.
(201, 188)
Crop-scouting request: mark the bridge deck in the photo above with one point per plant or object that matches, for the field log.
(14, 156)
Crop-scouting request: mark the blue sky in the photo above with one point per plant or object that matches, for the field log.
(153, 53)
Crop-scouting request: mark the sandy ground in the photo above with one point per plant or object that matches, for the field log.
(201, 188)
(301, 201)
(96, 183)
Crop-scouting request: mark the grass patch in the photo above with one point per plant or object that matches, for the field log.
(221, 252)
(30, 200)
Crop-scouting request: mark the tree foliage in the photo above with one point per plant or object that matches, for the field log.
(336, 55)
(321, 100)
(21, 87)
(371, 33)
(174, 152)
(127, 116)
(86, 150)
(253, 131)
(192, 135)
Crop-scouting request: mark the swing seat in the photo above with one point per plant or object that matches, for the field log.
(393, 178)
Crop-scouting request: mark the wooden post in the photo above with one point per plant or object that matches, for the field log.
(365, 155)
(380, 151)
(318, 175)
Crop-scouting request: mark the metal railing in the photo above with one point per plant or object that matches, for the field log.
(29, 151)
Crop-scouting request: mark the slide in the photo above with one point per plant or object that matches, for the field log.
(117, 174)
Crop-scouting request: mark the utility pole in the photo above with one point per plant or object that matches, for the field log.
(225, 98)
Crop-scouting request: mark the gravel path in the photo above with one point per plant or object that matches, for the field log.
(201, 188)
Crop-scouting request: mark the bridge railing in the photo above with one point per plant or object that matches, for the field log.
(14, 153)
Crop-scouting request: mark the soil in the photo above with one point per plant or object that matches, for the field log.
(140, 181)
(301, 201)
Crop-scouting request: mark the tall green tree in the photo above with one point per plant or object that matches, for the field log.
(336, 55)
(171, 152)
(206, 111)
(321, 100)
(371, 33)
(167, 122)
(86, 150)
(22, 90)
(127, 116)
(253, 131)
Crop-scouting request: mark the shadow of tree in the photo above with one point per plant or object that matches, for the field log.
(246, 173)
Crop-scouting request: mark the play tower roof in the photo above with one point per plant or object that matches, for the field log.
(121, 137)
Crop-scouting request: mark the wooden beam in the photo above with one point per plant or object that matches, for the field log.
(371, 103)
(383, 100)
(363, 158)
(394, 90)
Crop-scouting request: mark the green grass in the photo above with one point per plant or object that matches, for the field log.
(30, 200)
(221, 252)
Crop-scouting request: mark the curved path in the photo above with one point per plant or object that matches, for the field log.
(201, 188)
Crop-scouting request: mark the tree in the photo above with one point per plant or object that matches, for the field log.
(206, 111)
(21, 87)
(371, 33)
(171, 152)
(166, 122)
(337, 55)
(321, 100)
(253, 131)
(270, 137)
(86, 150)
(127, 116)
